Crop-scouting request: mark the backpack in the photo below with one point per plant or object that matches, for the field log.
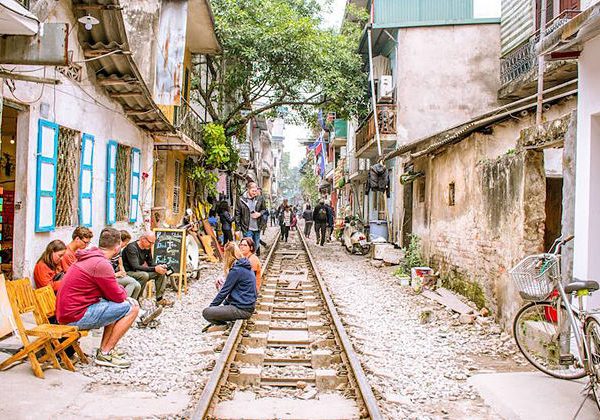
(322, 214)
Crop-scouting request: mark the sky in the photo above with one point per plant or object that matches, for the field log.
(332, 18)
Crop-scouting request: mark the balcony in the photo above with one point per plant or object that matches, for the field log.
(366, 142)
(188, 122)
(518, 69)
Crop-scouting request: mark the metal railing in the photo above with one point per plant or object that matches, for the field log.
(386, 118)
(24, 3)
(523, 59)
(189, 122)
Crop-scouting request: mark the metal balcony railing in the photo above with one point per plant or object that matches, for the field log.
(24, 3)
(386, 118)
(523, 59)
(189, 122)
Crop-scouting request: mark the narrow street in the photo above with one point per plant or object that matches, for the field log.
(417, 369)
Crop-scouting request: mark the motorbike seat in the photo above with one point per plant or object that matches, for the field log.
(577, 285)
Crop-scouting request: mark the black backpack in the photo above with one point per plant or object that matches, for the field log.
(322, 214)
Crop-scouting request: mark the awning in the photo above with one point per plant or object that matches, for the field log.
(17, 20)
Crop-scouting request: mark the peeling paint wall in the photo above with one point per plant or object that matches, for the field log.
(499, 213)
(141, 23)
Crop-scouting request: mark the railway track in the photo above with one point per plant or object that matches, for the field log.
(292, 359)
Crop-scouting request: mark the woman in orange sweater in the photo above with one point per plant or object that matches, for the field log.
(47, 270)
(248, 247)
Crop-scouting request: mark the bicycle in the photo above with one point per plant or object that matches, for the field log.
(556, 337)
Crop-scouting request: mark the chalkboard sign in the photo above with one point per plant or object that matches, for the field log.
(169, 249)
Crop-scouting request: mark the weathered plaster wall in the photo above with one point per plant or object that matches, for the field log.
(82, 107)
(446, 75)
(141, 24)
(498, 216)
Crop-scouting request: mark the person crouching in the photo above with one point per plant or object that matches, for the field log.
(238, 294)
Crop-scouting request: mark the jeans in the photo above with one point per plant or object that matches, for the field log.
(102, 314)
(221, 314)
(285, 231)
(320, 230)
(143, 277)
(255, 235)
(307, 227)
(227, 236)
(131, 286)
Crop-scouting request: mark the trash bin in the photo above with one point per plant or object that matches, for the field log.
(378, 229)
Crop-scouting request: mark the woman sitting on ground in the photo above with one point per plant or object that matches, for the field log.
(47, 270)
(238, 293)
(248, 248)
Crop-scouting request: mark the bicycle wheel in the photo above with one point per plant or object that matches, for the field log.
(537, 329)
(592, 335)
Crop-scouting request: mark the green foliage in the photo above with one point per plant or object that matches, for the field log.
(412, 256)
(309, 182)
(288, 178)
(219, 154)
(275, 53)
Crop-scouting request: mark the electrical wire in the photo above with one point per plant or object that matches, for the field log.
(12, 89)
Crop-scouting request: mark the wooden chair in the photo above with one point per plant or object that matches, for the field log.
(22, 300)
(47, 302)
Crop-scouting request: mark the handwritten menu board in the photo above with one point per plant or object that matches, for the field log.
(169, 249)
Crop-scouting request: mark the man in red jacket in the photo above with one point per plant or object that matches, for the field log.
(91, 298)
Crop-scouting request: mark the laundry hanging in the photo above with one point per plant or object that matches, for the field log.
(379, 179)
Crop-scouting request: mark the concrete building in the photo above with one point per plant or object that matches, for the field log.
(486, 191)
(79, 148)
(434, 67)
(581, 37)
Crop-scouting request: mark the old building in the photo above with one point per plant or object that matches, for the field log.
(433, 67)
(483, 193)
(78, 139)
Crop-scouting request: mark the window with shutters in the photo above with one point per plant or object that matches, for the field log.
(67, 176)
(177, 187)
(123, 182)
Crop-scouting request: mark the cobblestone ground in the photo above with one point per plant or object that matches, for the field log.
(174, 356)
(416, 370)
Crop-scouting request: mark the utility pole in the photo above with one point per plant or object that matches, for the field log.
(541, 66)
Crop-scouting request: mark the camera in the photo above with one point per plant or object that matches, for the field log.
(169, 270)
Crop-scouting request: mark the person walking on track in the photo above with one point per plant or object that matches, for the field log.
(249, 213)
(307, 215)
(320, 219)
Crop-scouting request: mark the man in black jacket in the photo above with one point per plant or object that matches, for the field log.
(137, 262)
(249, 211)
(320, 217)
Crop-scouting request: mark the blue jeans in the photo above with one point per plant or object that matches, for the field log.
(255, 235)
(102, 314)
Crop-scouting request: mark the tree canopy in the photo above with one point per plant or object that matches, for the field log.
(275, 54)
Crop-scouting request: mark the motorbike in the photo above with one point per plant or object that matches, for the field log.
(353, 237)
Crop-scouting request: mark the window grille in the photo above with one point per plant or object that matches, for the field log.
(421, 190)
(451, 194)
(67, 168)
(123, 181)
(177, 187)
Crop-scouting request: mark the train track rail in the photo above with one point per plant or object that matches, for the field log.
(292, 359)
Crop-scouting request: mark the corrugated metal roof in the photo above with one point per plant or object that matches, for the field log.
(403, 11)
(115, 69)
(517, 24)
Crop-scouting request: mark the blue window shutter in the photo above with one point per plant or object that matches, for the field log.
(45, 189)
(86, 175)
(111, 182)
(135, 185)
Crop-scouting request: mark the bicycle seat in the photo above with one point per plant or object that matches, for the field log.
(590, 285)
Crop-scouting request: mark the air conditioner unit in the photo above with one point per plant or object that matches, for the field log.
(385, 92)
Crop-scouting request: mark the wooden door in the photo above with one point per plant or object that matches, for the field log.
(569, 5)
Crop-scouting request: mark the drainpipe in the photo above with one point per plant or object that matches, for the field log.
(372, 78)
(541, 65)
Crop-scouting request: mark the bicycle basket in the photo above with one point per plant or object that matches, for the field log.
(535, 276)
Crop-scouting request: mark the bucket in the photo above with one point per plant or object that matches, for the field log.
(378, 229)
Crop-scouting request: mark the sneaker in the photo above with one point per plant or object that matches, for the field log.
(164, 302)
(151, 316)
(110, 360)
(118, 352)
